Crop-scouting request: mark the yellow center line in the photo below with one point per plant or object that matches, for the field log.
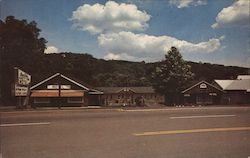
(192, 131)
(24, 124)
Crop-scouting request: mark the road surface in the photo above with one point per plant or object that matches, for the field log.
(135, 133)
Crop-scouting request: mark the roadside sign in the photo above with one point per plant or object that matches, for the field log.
(21, 90)
(22, 82)
(23, 78)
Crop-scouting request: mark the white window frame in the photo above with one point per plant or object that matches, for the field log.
(71, 101)
(36, 101)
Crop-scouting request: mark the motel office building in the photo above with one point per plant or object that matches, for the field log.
(59, 90)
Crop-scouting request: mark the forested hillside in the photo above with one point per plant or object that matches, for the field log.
(99, 72)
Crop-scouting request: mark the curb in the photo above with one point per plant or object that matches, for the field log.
(120, 109)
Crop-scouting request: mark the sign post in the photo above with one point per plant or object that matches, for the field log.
(22, 86)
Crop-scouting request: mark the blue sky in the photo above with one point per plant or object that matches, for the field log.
(215, 31)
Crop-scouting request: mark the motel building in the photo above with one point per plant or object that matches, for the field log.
(226, 92)
(59, 90)
(202, 93)
(130, 96)
(235, 91)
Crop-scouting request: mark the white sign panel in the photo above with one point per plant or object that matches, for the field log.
(21, 90)
(23, 78)
(22, 82)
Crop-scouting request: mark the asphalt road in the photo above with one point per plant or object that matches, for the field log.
(160, 133)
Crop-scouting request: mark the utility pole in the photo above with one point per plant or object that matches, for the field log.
(59, 92)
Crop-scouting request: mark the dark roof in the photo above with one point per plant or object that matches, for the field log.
(133, 89)
(63, 76)
(198, 83)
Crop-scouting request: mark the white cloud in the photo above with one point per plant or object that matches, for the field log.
(111, 17)
(51, 49)
(187, 3)
(131, 46)
(235, 15)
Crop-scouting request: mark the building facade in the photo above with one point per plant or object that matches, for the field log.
(236, 91)
(202, 93)
(59, 90)
(219, 92)
(130, 96)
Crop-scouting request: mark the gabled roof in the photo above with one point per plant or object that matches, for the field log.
(242, 84)
(133, 89)
(94, 91)
(58, 74)
(199, 84)
(224, 83)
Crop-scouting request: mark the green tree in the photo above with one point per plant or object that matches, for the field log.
(171, 75)
(20, 46)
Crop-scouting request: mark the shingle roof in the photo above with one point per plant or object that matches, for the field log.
(133, 89)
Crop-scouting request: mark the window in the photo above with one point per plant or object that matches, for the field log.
(65, 87)
(212, 94)
(52, 86)
(41, 100)
(56, 86)
(186, 95)
(76, 100)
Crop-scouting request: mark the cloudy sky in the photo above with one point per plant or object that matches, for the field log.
(215, 31)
